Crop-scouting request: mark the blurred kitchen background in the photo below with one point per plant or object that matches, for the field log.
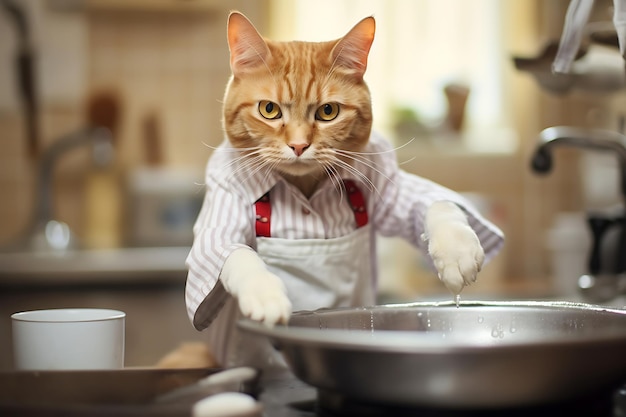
(445, 90)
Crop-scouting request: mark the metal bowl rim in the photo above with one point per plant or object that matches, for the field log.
(398, 341)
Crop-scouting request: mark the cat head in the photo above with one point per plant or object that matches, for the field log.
(299, 107)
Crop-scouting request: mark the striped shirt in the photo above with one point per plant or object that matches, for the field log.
(396, 203)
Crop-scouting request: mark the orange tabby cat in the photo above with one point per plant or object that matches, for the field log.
(300, 188)
(305, 83)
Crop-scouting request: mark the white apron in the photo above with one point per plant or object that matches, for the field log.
(317, 273)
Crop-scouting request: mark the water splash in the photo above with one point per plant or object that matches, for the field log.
(457, 300)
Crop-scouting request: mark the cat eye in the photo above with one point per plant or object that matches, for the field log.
(327, 112)
(269, 110)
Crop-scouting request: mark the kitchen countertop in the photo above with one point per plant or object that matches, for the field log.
(92, 267)
(281, 395)
(166, 266)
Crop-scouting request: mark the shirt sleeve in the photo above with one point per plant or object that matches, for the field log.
(403, 200)
(223, 225)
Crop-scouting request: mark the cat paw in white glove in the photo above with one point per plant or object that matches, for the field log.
(261, 295)
(453, 246)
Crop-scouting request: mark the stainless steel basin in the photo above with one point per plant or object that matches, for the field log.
(481, 355)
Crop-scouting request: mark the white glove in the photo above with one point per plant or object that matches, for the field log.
(261, 295)
(453, 246)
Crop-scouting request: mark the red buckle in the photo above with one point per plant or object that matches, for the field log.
(263, 209)
(357, 203)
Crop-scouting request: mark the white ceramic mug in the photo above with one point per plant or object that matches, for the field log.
(68, 338)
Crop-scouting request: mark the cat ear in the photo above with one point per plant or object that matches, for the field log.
(248, 50)
(351, 51)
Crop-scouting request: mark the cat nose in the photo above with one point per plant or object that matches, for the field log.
(299, 148)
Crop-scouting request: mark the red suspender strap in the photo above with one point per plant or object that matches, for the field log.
(357, 202)
(263, 209)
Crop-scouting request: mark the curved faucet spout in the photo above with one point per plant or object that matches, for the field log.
(98, 137)
(46, 232)
(602, 140)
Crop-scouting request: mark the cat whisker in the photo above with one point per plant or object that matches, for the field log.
(221, 148)
(253, 171)
(334, 178)
(200, 187)
(407, 161)
(250, 155)
(368, 163)
(361, 158)
(269, 158)
(245, 163)
(328, 158)
(368, 183)
(206, 145)
(271, 169)
(245, 152)
(254, 161)
(343, 151)
(253, 152)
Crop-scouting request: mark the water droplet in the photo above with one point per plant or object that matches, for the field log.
(457, 300)
(481, 319)
(497, 332)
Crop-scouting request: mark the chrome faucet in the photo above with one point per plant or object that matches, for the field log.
(603, 140)
(598, 284)
(45, 232)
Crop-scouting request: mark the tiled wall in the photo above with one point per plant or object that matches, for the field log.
(172, 65)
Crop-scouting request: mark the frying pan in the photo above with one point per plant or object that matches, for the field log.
(480, 355)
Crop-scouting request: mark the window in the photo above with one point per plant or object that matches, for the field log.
(420, 47)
